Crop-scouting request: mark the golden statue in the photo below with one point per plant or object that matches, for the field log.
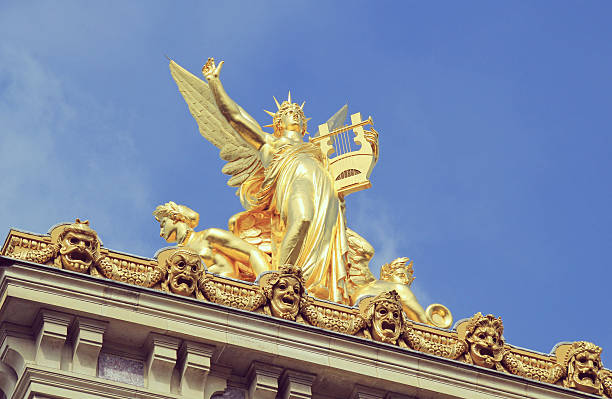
(285, 184)
(222, 252)
(293, 194)
(397, 276)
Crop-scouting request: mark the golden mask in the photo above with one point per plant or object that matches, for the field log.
(484, 335)
(285, 302)
(184, 271)
(583, 368)
(386, 323)
(384, 317)
(78, 247)
(284, 290)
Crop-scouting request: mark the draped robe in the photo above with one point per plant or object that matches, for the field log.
(300, 169)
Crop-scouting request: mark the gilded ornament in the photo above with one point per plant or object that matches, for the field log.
(222, 252)
(484, 335)
(292, 241)
(184, 271)
(41, 254)
(285, 183)
(180, 270)
(284, 290)
(74, 247)
(398, 276)
(79, 247)
(228, 293)
(486, 348)
(337, 318)
(584, 370)
(384, 318)
(434, 342)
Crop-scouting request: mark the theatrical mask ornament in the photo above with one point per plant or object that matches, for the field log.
(485, 339)
(285, 302)
(184, 271)
(283, 291)
(583, 368)
(384, 318)
(78, 248)
(386, 324)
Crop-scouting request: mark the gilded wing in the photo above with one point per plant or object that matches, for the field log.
(242, 159)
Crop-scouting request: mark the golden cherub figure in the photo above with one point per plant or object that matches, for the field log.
(396, 276)
(222, 252)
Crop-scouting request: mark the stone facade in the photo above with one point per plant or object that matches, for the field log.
(66, 334)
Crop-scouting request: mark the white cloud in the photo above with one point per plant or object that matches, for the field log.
(62, 154)
(374, 220)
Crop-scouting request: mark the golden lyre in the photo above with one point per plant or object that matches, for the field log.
(349, 168)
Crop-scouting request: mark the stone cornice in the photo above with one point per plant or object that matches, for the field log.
(253, 336)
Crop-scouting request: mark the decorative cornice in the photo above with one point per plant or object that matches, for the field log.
(461, 344)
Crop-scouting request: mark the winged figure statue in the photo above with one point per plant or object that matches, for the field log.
(293, 196)
(292, 210)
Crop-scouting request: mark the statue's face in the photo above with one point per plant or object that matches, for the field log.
(400, 275)
(168, 229)
(583, 372)
(291, 119)
(77, 251)
(184, 271)
(285, 302)
(386, 322)
(486, 346)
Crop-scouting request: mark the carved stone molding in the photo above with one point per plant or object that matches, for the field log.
(161, 361)
(262, 381)
(296, 385)
(363, 392)
(87, 339)
(52, 331)
(194, 360)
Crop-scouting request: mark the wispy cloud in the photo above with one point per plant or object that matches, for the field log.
(374, 220)
(62, 154)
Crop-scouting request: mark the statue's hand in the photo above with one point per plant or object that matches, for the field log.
(210, 71)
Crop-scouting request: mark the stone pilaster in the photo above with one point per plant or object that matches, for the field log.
(161, 361)
(194, 360)
(296, 385)
(87, 338)
(362, 392)
(262, 380)
(52, 330)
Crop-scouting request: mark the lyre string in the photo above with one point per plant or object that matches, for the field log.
(336, 145)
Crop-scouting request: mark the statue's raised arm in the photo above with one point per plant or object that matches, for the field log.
(242, 158)
(244, 125)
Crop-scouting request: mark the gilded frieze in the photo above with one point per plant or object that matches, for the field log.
(281, 294)
(584, 370)
(486, 348)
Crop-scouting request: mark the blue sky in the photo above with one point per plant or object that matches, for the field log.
(494, 118)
